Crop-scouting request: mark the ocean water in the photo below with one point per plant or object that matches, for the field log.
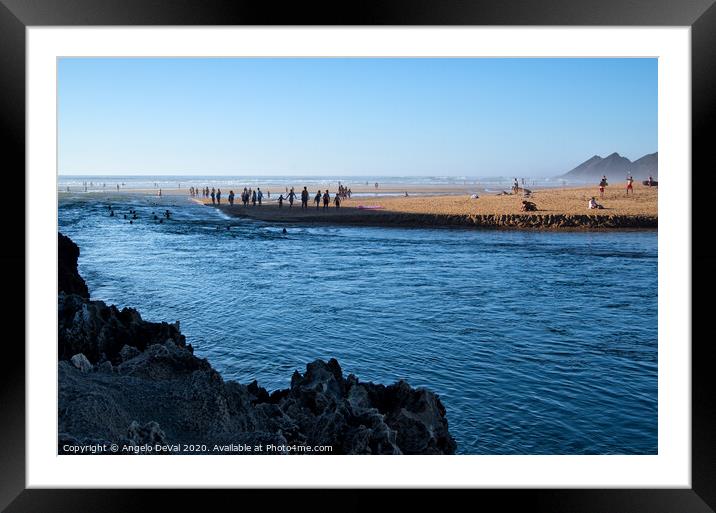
(536, 342)
(99, 183)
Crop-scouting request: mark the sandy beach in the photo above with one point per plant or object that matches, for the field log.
(556, 208)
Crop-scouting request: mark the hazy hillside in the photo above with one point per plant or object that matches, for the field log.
(615, 167)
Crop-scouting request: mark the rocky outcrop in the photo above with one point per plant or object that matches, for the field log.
(137, 384)
(69, 280)
(100, 332)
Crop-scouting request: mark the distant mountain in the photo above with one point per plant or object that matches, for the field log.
(646, 166)
(615, 167)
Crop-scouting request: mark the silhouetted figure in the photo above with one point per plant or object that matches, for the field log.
(291, 196)
(213, 197)
(254, 198)
(304, 198)
(231, 198)
(317, 200)
(326, 200)
(337, 201)
(280, 201)
(259, 195)
(285, 231)
(218, 196)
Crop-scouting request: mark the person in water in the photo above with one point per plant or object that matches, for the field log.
(304, 198)
(317, 200)
(326, 200)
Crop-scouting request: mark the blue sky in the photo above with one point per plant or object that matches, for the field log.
(338, 117)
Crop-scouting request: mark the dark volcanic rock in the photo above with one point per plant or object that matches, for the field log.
(68, 279)
(100, 331)
(141, 384)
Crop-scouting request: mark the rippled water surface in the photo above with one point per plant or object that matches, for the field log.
(537, 343)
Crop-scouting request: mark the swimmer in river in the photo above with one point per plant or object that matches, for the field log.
(285, 231)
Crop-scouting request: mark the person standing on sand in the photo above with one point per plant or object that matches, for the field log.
(326, 200)
(259, 195)
(630, 185)
(280, 201)
(291, 196)
(213, 197)
(253, 198)
(218, 196)
(231, 198)
(602, 185)
(304, 198)
(337, 200)
(317, 199)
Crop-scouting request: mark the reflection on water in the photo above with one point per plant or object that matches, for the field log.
(538, 343)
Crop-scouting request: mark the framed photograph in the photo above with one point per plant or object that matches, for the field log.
(416, 248)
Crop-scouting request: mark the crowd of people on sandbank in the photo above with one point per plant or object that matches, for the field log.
(255, 197)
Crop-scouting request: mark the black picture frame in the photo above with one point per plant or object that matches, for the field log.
(700, 15)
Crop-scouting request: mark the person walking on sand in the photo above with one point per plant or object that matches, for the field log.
(291, 196)
(317, 200)
(602, 185)
(326, 200)
(231, 198)
(259, 195)
(630, 185)
(218, 196)
(304, 198)
(253, 198)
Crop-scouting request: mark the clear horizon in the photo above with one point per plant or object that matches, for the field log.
(361, 117)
